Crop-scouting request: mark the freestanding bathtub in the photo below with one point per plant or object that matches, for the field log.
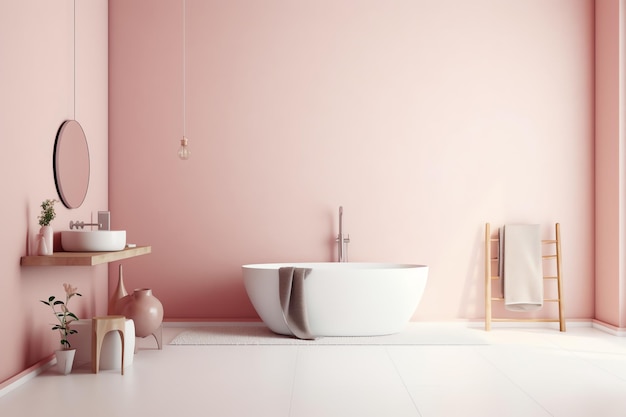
(343, 299)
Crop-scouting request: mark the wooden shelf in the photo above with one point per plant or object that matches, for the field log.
(84, 258)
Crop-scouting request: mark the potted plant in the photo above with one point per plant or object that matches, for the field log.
(65, 355)
(46, 234)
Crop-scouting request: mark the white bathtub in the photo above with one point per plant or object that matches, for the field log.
(343, 299)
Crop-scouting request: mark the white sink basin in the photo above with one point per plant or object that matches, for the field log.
(93, 240)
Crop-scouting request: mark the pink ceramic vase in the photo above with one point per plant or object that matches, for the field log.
(45, 241)
(120, 292)
(144, 308)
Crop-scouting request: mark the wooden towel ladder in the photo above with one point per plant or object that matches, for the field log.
(489, 277)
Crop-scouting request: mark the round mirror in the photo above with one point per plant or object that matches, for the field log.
(71, 164)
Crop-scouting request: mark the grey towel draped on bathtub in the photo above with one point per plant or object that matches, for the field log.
(521, 267)
(292, 300)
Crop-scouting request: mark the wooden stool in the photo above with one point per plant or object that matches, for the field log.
(99, 328)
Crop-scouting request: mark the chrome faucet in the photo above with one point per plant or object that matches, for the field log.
(81, 225)
(104, 222)
(342, 240)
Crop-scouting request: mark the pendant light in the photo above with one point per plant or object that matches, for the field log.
(70, 160)
(183, 151)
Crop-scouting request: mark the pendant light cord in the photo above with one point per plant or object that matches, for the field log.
(74, 69)
(184, 69)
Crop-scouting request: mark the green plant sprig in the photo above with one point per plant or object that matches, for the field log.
(47, 212)
(63, 315)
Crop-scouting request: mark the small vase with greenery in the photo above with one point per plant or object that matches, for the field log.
(45, 239)
(64, 316)
(47, 212)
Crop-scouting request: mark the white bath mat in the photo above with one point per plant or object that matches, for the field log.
(258, 334)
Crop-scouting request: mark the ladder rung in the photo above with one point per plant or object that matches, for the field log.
(546, 277)
(549, 256)
(545, 241)
(528, 320)
(548, 300)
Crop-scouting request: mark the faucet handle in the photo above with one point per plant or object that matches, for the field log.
(345, 237)
(104, 220)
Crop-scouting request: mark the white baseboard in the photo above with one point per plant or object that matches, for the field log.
(578, 323)
(26, 375)
(608, 328)
(575, 323)
(204, 322)
(471, 323)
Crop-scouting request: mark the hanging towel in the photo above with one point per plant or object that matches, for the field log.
(521, 267)
(292, 300)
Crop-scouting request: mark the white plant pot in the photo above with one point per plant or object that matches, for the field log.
(65, 360)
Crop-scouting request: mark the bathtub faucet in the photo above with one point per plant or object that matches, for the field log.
(342, 240)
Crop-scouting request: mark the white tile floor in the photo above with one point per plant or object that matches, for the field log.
(517, 372)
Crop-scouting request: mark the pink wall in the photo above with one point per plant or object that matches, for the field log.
(607, 157)
(423, 119)
(36, 81)
(610, 286)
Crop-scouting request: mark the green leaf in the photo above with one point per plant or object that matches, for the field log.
(51, 299)
(57, 302)
(72, 315)
(45, 302)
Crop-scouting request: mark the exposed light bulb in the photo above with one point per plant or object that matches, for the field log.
(183, 151)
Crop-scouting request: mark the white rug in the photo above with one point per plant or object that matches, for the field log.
(259, 334)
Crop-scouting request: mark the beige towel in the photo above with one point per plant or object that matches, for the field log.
(292, 300)
(521, 267)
